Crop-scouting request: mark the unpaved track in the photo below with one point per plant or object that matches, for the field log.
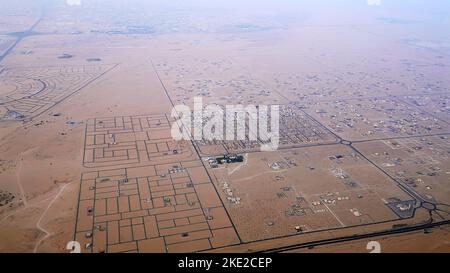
(38, 224)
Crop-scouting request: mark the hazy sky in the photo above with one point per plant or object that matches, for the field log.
(293, 12)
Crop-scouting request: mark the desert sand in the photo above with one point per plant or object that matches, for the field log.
(86, 154)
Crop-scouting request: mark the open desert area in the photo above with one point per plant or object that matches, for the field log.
(87, 90)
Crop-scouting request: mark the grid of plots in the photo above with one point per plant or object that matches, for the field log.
(31, 91)
(219, 81)
(131, 140)
(284, 189)
(420, 163)
(329, 85)
(437, 105)
(161, 208)
(376, 118)
(296, 129)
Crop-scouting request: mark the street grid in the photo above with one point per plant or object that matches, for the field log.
(161, 208)
(128, 203)
(36, 90)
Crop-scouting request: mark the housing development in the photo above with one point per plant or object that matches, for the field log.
(357, 97)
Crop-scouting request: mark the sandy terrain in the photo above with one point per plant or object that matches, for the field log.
(86, 94)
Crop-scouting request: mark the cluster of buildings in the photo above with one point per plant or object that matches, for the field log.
(214, 162)
(176, 169)
(231, 197)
